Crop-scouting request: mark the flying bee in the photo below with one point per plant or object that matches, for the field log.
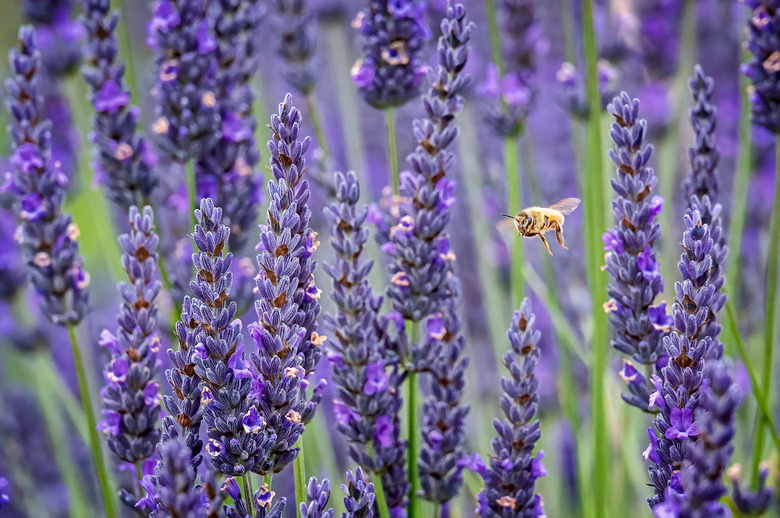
(535, 221)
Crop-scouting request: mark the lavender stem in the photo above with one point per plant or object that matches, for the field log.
(249, 496)
(414, 437)
(192, 186)
(495, 41)
(515, 200)
(316, 123)
(89, 414)
(772, 266)
(392, 149)
(299, 471)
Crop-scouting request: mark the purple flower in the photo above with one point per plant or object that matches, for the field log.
(762, 69)
(110, 423)
(149, 500)
(514, 92)
(5, 499)
(111, 98)
(628, 373)
(656, 398)
(647, 264)
(538, 469)
(611, 240)
(650, 452)
(27, 158)
(376, 378)
(474, 463)
(363, 73)
(384, 431)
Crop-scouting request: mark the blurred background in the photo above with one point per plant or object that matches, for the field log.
(648, 49)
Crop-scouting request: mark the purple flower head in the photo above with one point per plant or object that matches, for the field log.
(514, 92)
(111, 98)
(376, 378)
(149, 500)
(384, 431)
(762, 69)
(647, 264)
(656, 398)
(392, 35)
(110, 423)
(682, 425)
(628, 373)
(538, 469)
(611, 240)
(27, 158)
(650, 452)
(474, 463)
(32, 207)
(656, 205)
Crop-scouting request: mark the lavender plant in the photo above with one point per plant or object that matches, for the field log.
(631, 260)
(266, 505)
(510, 481)
(288, 345)
(679, 391)
(317, 496)
(238, 441)
(360, 349)
(188, 123)
(572, 96)
(172, 492)
(47, 237)
(131, 399)
(227, 172)
(297, 31)
(121, 158)
(763, 68)
(359, 502)
(704, 157)
(392, 35)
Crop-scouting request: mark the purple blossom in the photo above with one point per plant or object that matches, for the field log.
(376, 378)
(650, 452)
(762, 69)
(682, 425)
(384, 431)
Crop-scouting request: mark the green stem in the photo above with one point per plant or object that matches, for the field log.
(47, 399)
(379, 488)
(139, 474)
(567, 23)
(248, 478)
(772, 267)
(392, 150)
(192, 187)
(299, 472)
(126, 51)
(758, 391)
(742, 176)
(512, 163)
(596, 217)
(316, 124)
(414, 445)
(94, 439)
(495, 41)
(249, 497)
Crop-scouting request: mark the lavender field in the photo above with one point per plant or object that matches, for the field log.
(390, 258)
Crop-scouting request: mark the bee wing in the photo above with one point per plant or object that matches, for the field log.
(566, 205)
(506, 226)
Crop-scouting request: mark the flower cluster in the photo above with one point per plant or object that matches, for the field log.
(514, 85)
(679, 391)
(763, 69)
(238, 442)
(48, 238)
(360, 349)
(288, 345)
(637, 325)
(58, 35)
(188, 123)
(317, 496)
(418, 243)
(510, 481)
(392, 34)
(171, 491)
(121, 159)
(659, 36)
(227, 172)
(295, 23)
(704, 157)
(359, 502)
(701, 475)
(131, 397)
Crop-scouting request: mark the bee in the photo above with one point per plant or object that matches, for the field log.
(535, 221)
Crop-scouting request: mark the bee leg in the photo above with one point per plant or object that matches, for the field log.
(545, 244)
(559, 236)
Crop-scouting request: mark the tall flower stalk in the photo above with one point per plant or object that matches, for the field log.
(360, 350)
(389, 73)
(227, 172)
(763, 70)
(288, 345)
(131, 398)
(513, 470)
(418, 242)
(121, 159)
(47, 237)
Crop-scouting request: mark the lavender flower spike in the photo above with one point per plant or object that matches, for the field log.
(702, 180)
(238, 440)
(680, 386)
(418, 241)
(392, 36)
(188, 122)
(637, 325)
(359, 502)
(748, 502)
(360, 349)
(701, 476)
(509, 483)
(121, 159)
(317, 496)
(288, 345)
(131, 399)
(48, 238)
(763, 69)
(227, 173)
(297, 27)
(174, 491)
